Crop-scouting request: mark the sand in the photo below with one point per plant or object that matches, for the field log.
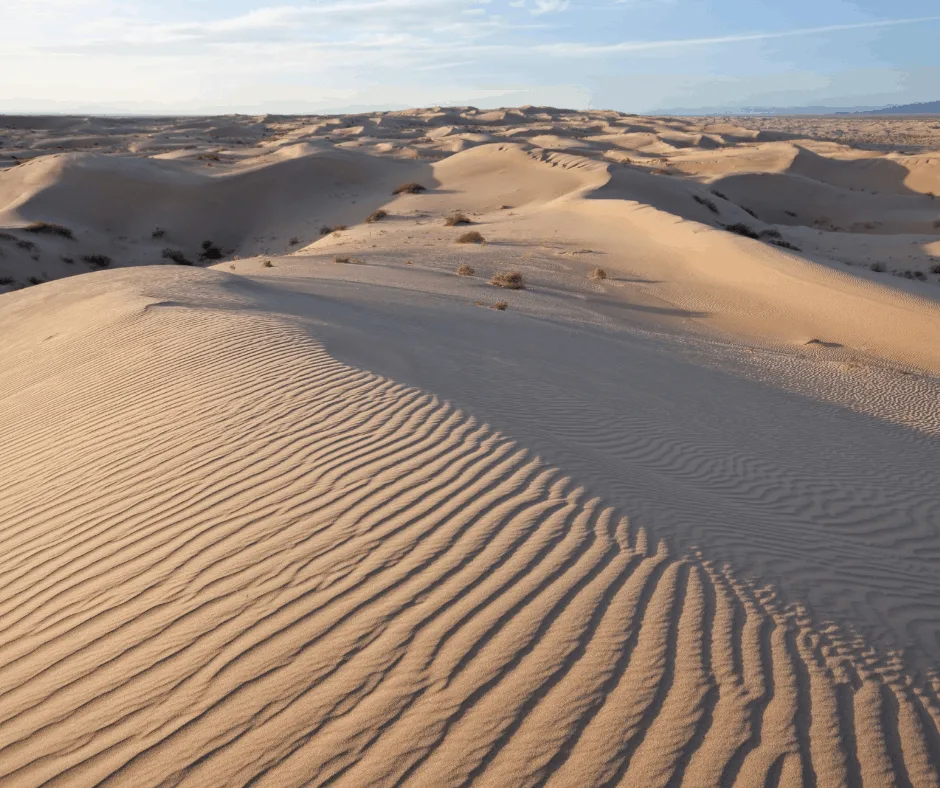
(273, 519)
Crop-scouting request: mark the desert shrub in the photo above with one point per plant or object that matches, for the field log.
(749, 211)
(27, 245)
(210, 251)
(158, 232)
(500, 305)
(741, 229)
(770, 234)
(69, 260)
(340, 259)
(99, 260)
(376, 216)
(706, 202)
(719, 194)
(511, 280)
(6, 280)
(34, 280)
(790, 213)
(209, 157)
(267, 264)
(325, 230)
(878, 268)
(785, 244)
(466, 270)
(598, 273)
(456, 219)
(339, 227)
(45, 228)
(293, 241)
(409, 262)
(409, 188)
(935, 269)
(472, 237)
(176, 256)
(7, 237)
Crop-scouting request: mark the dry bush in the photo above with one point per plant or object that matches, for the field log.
(706, 202)
(466, 270)
(598, 274)
(325, 230)
(409, 188)
(935, 269)
(878, 268)
(158, 232)
(341, 259)
(473, 237)
(741, 229)
(719, 194)
(69, 260)
(293, 241)
(176, 256)
(209, 157)
(785, 244)
(34, 280)
(500, 305)
(6, 280)
(29, 246)
(7, 237)
(511, 280)
(210, 251)
(749, 211)
(409, 262)
(456, 219)
(100, 260)
(45, 228)
(376, 216)
(265, 264)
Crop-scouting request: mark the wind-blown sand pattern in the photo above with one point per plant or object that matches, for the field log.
(327, 524)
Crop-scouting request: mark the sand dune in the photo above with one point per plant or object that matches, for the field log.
(291, 521)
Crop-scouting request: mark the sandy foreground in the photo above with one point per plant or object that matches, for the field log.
(310, 510)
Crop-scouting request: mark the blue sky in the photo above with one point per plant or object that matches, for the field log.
(325, 55)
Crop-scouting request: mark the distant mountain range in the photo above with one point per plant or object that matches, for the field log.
(922, 108)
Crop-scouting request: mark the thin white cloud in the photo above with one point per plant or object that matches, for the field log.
(550, 6)
(581, 48)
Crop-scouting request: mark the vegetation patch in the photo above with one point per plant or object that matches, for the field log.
(706, 202)
(46, 228)
(466, 270)
(176, 256)
(472, 237)
(376, 216)
(409, 188)
(210, 251)
(598, 274)
(500, 305)
(742, 229)
(98, 260)
(456, 219)
(511, 280)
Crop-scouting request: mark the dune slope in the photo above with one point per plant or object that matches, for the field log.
(267, 532)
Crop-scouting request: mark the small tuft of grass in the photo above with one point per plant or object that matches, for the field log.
(210, 251)
(749, 211)
(176, 256)
(770, 234)
(209, 157)
(472, 237)
(935, 269)
(466, 270)
(511, 280)
(7, 280)
(500, 305)
(325, 230)
(456, 219)
(376, 216)
(46, 228)
(29, 246)
(741, 229)
(99, 260)
(341, 259)
(597, 274)
(785, 244)
(409, 262)
(69, 260)
(293, 241)
(878, 268)
(158, 232)
(265, 264)
(706, 202)
(409, 188)
(720, 194)
(34, 280)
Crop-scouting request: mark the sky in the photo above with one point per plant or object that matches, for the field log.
(251, 56)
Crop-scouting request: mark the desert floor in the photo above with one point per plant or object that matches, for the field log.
(287, 501)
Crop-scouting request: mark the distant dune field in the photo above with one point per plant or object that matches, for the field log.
(647, 494)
